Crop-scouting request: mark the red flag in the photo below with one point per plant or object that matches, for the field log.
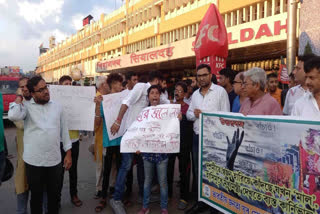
(211, 46)
(283, 76)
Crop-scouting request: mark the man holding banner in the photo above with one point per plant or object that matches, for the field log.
(102, 89)
(208, 98)
(307, 107)
(73, 172)
(136, 101)
(112, 147)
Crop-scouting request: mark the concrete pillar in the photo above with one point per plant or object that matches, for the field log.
(291, 34)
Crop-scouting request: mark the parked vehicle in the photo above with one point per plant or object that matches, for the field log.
(8, 88)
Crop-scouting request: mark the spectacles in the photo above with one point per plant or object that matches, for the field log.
(178, 91)
(42, 89)
(202, 76)
(236, 82)
(245, 84)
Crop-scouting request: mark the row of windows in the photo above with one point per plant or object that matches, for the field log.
(142, 45)
(254, 12)
(179, 34)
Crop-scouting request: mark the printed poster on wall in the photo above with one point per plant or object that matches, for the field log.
(263, 164)
(155, 130)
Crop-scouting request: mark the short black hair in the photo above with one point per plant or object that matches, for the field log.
(64, 78)
(313, 63)
(228, 73)
(204, 66)
(183, 85)
(214, 79)
(33, 82)
(130, 74)
(74, 83)
(306, 57)
(188, 82)
(114, 77)
(291, 75)
(272, 75)
(154, 75)
(152, 87)
(124, 83)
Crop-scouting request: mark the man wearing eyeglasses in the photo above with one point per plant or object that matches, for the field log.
(208, 98)
(258, 102)
(237, 87)
(44, 124)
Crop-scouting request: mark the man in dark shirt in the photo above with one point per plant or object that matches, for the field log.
(227, 76)
(185, 149)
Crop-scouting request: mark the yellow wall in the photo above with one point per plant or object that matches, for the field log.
(191, 17)
(229, 5)
(137, 36)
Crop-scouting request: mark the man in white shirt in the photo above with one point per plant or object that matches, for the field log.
(208, 98)
(132, 80)
(136, 101)
(307, 106)
(164, 93)
(44, 126)
(298, 91)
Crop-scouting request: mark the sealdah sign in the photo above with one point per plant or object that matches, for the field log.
(248, 34)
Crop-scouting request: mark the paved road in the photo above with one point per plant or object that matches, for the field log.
(86, 184)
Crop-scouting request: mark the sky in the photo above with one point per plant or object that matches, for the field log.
(26, 24)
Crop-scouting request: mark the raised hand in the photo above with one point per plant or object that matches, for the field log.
(233, 148)
(98, 99)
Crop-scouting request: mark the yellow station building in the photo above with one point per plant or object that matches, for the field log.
(145, 35)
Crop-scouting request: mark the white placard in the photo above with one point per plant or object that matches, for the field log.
(77, 103)
(155, 130)
(111, 105)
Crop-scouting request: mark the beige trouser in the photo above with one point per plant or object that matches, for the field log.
(99, 175)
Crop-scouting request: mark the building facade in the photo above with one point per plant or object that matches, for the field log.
(145, 35)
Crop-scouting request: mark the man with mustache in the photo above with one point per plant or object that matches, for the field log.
(308, 105)
(44, 124)
(208, 98)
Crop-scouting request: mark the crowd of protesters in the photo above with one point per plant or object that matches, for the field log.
(46, 148)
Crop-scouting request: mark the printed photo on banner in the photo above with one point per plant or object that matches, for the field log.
(78, 105)
(155, 130)
(260, 164)
(111, 104)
